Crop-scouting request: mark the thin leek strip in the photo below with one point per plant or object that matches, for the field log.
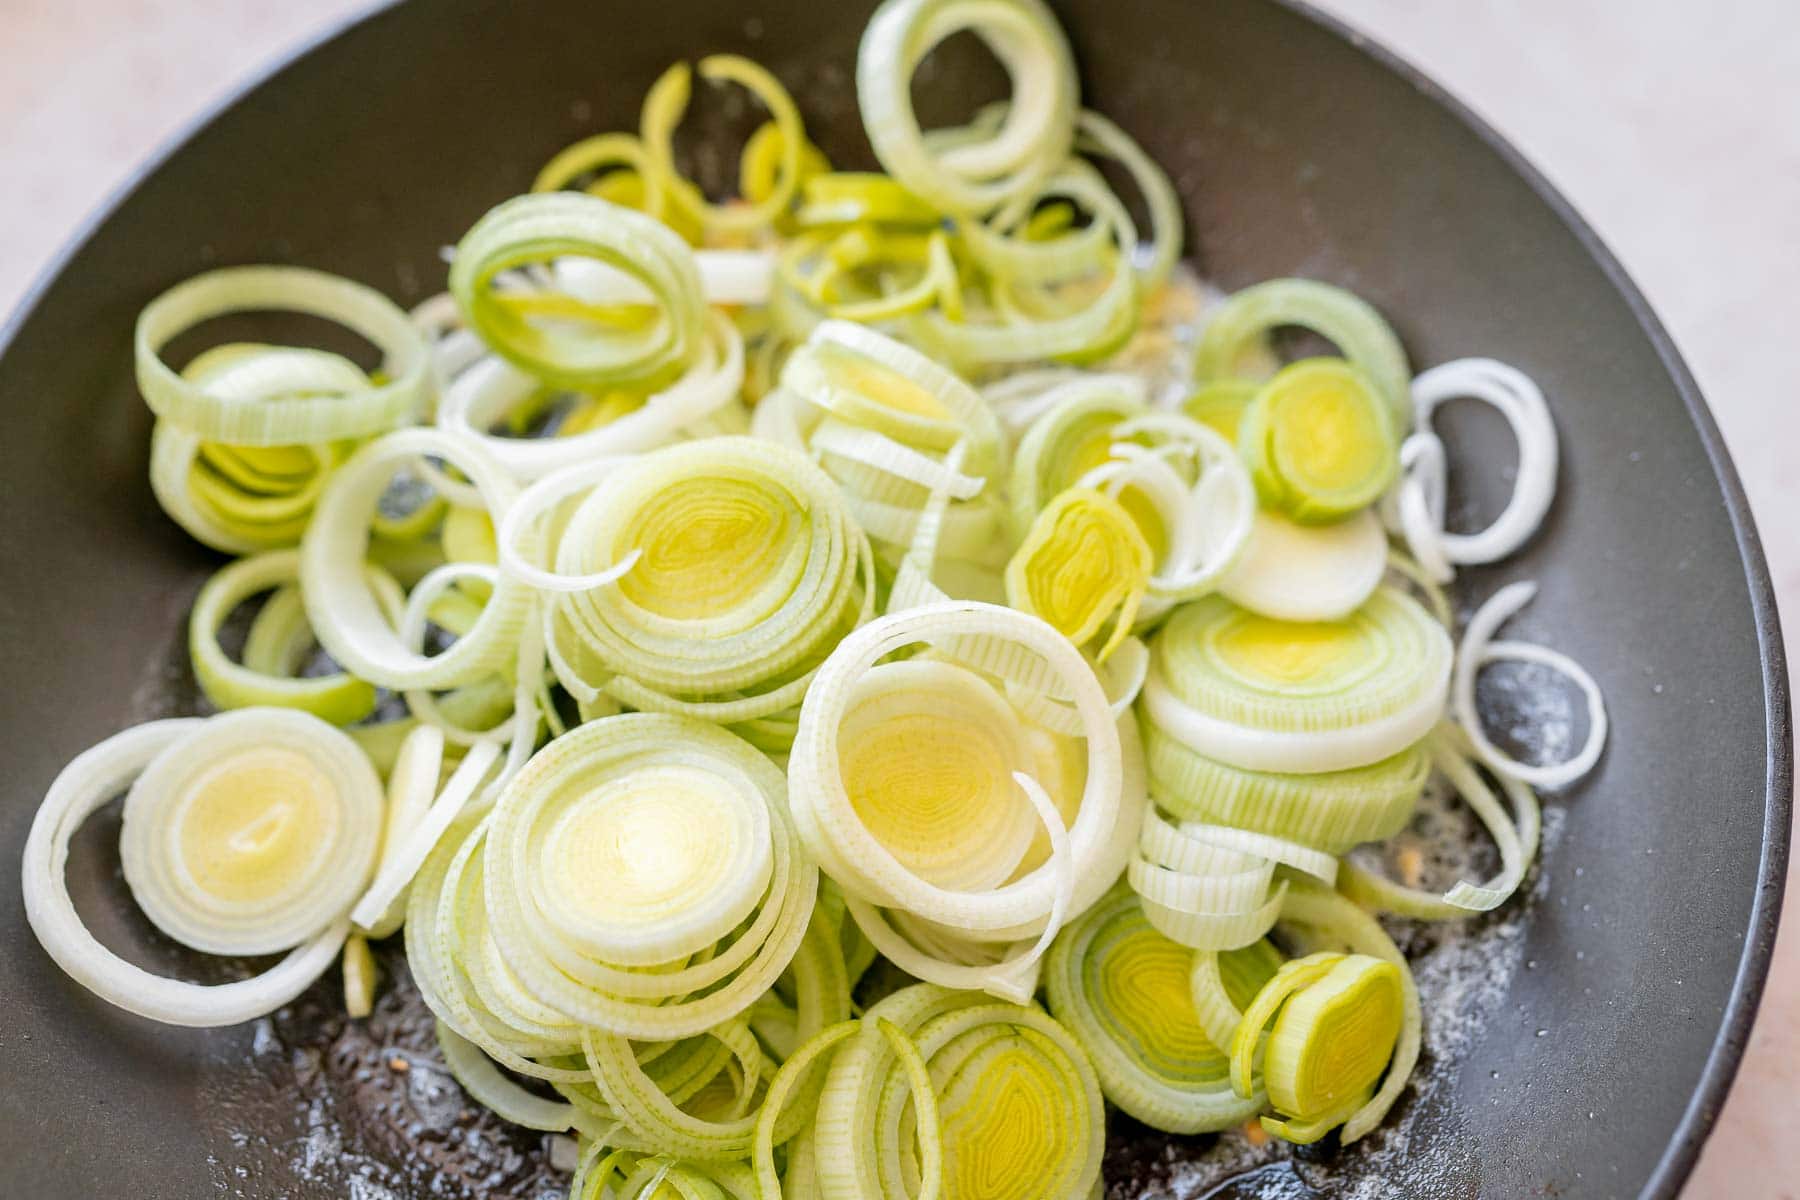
(411, 787)
(1516, 835)
(360, 977)
(1317, 441)
(487, 1086)
(1169, 842)
(736, 567)
(1295, 572)
(666, 103)
(284, 418)
(726, 277)
(1421, 513)
(1478, 649)
(1334, 919)
(618, 169)
(86, 785)
(849, 197)
(1083, 561)
(1201, 893)
(1337, 1019)
(1087, 329)
(252, 834)
(1123, 990)
(1268, 695)
(339, 698)
(1410, 573)
(1100, 136)
(1238, 328)
(1039, 125)
(344, 611)
(576, 917)
(1021, 399)
(410, 850)
(591, 354)
(760, 164)
(241, 499)
(1044, 1143)
(1223, 985)
(1330, 811)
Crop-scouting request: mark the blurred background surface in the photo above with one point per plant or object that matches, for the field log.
(1674, 127)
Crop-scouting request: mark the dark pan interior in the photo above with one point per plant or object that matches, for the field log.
(1297, 152)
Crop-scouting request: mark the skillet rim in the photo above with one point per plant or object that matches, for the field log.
(1732, 1038)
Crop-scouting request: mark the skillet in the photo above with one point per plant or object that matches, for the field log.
(1297, 150)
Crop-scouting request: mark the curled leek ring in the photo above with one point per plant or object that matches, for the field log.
(1068, 431)
(1420, 500)
(1043, 1143)
(278, 638)
(86, 785)
(314, 411)
(639, 841)
(567, 344)
(983, 173)
(344, 611)
(253, 833)
(709, 578)
(1123, 990)
(1238, 330)
(412, 784)
(485, 393)
(241, 499)
(1480, 648)
(1202, 891)
(664, 107)
(1268, 695)
(859, 827)
(1317, 440)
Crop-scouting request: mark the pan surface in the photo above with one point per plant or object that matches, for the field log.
(1596, 1068)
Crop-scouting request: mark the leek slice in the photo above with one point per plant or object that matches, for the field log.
(1268, 695)
(844, 829)
(1330, 811)
(253, 833)
(283, 408)
(982, 173)
(851, 197)
(1338, 1019)
(1083, 561)
(1332, 919)
(85, 786)
(1295, 572)
(578, 347)
(1068, 431)
(1220, 405)
(1237, 331)
(411, 787)
(1018, 1106)
(1224, 983)
(1318, 442)
(708, 579)
(1123, 990)
(1479, 648)
(638, 841)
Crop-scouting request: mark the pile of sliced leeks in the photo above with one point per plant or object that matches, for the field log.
(722, 596)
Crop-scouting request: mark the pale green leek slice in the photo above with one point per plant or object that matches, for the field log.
(1019, 1109)
(1318, 441)
(1123, 990)
(1083, 562)
(1267, 695)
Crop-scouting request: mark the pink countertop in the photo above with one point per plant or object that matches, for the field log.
(1676, 133)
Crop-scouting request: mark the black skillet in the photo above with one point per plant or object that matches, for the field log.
(1298, 150)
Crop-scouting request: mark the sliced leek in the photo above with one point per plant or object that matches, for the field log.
(291, 408)
(1295, 572)
(1083, 563)
(1268, 695)
(1318, 441)
(1123, 990)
